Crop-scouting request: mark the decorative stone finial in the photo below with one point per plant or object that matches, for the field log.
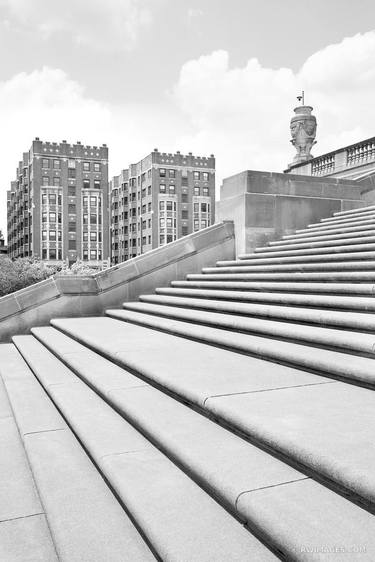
(303, 131)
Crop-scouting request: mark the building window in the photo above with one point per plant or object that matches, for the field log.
(196, 175)
(85, 255)
(169, 238)
(71, 190)
(45, 180)
(72, 209)
(149, 190)
(71, 163)
(196, 225)
(52, 199)
(162, 239)
(162, 223)
(172, 189)
(92, 254)
(93, 236)
(93, 219)
(162, 188)
(184, 231)
(196, 190)
(172, 173)
(52, 235)
(86, 166)
(96, 166)
(59, 235)
(204, 207)
(44, 254)
(71, 173)
(162, 172)
(86, 184)
(44, 235)
(56, 181)
(205, 176)
(184, 198)
(169, 206)
(185, 214)
(45, 163)
(169, 223)
(72, 245)
(93, 201)
(52, 254)
(97, 184)
(72, 226)
(205, 191)
(196, 207)
(56, 164)
(44, 199)
(52, 217)
(85, 219)
(85, 236)
(149, 207)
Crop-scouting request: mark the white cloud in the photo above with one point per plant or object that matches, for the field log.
(48, 104)
(110, 25)
(242, 114)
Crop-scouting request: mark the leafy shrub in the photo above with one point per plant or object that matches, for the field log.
(20, 273)
(79, 268)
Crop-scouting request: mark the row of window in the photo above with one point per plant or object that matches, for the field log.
(53, 254)
(54, 235)
(56, 182)
(204, 176)
(52, 199)
(197, 191)
(56, 165)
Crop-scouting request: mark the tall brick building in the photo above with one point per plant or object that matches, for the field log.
(58, 203)
(159, 199)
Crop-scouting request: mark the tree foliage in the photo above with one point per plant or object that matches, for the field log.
(22, 272)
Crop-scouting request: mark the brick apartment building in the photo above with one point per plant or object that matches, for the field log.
(161, 198)
(58, 204)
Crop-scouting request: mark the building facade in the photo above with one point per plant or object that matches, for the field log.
(58, 204)
(160, 199)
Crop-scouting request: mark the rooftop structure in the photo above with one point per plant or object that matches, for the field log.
(58, 204)
(158, 200)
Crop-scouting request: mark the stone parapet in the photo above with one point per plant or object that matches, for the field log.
(71, 296)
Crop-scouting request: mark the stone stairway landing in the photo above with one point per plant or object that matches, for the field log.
(227, 417)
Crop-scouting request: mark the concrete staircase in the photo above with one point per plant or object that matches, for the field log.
(228, 417)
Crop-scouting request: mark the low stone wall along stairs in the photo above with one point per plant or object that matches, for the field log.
(228, 417)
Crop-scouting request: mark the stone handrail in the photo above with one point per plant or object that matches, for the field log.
(76, 295)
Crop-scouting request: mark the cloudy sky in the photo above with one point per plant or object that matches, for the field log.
(205, 76)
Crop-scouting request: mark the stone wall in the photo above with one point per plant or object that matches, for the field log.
(68, 296)
(264, 205)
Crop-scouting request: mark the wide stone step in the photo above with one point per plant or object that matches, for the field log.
(300, 267)
(346, 340)
(81, 510)
(343, 320)
(342, 241)
(332, 276)
(335, 218)
(340, 249)
(361, 304)
(357, 221)
(236, 471)
(309, 233)
(318, 258)
(328, 362)
(179, 519)
(312, 287)
(316, 437)
(330, 238)
(359, 210)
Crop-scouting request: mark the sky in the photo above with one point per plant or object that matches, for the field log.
(198, 76)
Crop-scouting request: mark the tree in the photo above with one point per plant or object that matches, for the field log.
(22, 272)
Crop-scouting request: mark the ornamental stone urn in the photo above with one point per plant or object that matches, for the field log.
(303, 131)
